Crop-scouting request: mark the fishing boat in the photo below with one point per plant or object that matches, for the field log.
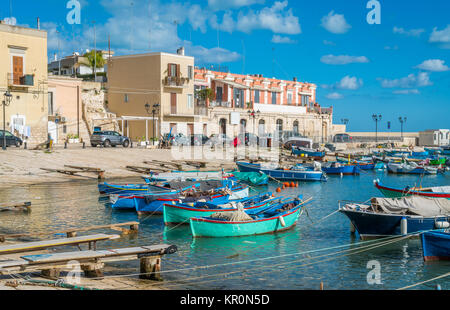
(154, 204)
(339, 168)
(396, 216)
(431, 192)
(278, 218)
(307, 152)
(435, 245)
(130, 189)
(410, 168)
(182, 176)
(273, 171)
(181, 213)
(363, 164)
(445, 150)
(251, 178)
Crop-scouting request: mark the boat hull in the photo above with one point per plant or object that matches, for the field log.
(201, 227)
(435, 246)
(371, 225)
(291, 175)
(345, 170)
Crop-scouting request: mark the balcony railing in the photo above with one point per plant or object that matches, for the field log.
(223, 104)
(26, 80)
(173, 81)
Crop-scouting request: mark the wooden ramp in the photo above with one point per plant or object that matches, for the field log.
(92, 261)
(42, 245)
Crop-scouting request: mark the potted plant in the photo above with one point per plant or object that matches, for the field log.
(72, 138)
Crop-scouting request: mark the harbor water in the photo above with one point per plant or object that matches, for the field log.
(301, 258)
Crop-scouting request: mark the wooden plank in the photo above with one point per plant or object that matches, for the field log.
(41, 245)
(133, 227)
(68, 172)
(85, 169)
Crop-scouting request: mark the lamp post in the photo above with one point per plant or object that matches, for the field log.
(155, 108)
(345, 121)
(402, 121)
(5, 103)
(376, 118)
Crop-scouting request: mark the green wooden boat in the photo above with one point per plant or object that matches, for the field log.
(278, 218)
(437, 162)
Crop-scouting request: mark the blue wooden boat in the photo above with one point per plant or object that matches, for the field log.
(294, 174)
(338, 168)
(363, 165)
(396, 217)
(182, 176)
(436, 245)
(278, 218)
(181, 213)
(130, 189)
(306, 152)
(445, 150)
(396, 192)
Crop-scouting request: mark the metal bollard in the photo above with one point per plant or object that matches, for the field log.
(24, 145)
(84, 145)
(65, 145)
(131, 144)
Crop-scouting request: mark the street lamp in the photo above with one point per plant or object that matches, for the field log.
(376, 118)
(5, 103)
(155, 108)
(253, 114)
(402, 121)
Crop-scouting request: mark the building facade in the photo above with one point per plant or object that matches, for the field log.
(23, 72)
(434, 137)
(262, 106)
(162, 79)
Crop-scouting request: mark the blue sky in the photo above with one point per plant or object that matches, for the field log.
(397, 68)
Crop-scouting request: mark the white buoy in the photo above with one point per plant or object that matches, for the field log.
(342, 175)
(404, 226)
(282, 221)
(442, 225)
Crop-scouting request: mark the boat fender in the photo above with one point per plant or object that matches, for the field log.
(191, 204)
(283, 223)
(442, 225)
(404, 226)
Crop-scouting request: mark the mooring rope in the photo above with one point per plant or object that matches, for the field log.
(423, 282)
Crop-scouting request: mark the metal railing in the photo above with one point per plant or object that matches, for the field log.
(17, 80)
(223, 104)
(174, 81)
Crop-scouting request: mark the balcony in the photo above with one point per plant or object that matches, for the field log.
(221, 104)
(175, 82)
(26, 80)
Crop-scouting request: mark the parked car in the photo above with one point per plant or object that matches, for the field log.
(342, 138)
(248, 139)
(180, 139)
(298, 142)
(109, 138)
(220, 139)
(10, 139)
(198, 139)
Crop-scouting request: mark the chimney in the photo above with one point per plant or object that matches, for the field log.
(55, 58)
(38, 24)
(180, 51)
(295, 79)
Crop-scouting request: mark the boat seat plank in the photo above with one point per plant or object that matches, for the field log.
(41, 245)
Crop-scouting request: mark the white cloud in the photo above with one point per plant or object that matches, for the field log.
(410, 33)
(335, 23)
(228, 23)
(441, 37)
(218, 5)
(347, 82)
(275, 18)
(435, 65)
(282, 40)
(335, 96)
(343, 59)
(411, 81)
(213, 55)
(326, 42)
(395, 47)
(407, 92)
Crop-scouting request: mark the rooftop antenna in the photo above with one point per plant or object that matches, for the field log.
(243, 60)
(273, 61)
(131, 24)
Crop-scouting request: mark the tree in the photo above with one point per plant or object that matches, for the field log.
(95, 59)
(206, 93)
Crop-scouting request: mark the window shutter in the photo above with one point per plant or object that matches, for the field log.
(178, 71)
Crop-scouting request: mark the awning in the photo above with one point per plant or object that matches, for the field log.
(233, 84)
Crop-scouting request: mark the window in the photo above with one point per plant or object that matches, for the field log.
(173, 103)
(256, 96)
(190, 73)
(274, 98)
(219, 94)
(295, 127)
(289, 98)
(173, 128)
(190, 101)
(305, 100)
(172, 70)
(125, 99)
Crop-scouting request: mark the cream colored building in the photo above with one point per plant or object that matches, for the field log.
(154, 78)
(23, 71)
